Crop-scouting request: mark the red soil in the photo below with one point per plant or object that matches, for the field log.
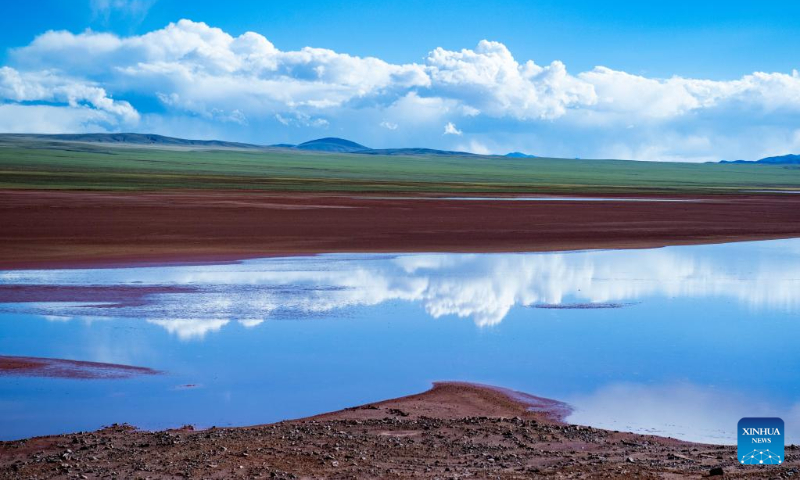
(115, 295)
(455, 400)
(59, 368)
(56, 228)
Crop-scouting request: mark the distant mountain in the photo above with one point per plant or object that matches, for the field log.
(132, 138)
(340, 145)
(410, 151)
(780, 160)
(783, 159)
(328, 144)
(519, 155)
(332, 144)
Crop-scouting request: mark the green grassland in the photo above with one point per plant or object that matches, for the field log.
(65, 165)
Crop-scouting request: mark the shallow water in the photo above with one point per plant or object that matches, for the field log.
(684, 340)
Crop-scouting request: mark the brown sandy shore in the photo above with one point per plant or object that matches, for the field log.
(42, 229)
(454, 430)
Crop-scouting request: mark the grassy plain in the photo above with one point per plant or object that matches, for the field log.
(79, 166)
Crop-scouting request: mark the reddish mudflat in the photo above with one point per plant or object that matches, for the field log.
(458, 400)
(57, 228)
(454, 430)
(59, 368)
(114, 295)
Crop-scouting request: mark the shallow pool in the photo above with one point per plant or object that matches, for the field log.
(678, 341)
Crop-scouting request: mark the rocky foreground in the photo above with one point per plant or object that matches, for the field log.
(451, 431)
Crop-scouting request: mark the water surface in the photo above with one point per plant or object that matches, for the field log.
(684, 340)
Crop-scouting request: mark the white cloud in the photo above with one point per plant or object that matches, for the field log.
(637, 96)
(198, 67)
(450, 129)
(200, 73)
(47, 102)
(47, 87)
(490, 80)
(53, 119)
(299, 119)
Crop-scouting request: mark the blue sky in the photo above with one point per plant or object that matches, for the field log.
(680, 81)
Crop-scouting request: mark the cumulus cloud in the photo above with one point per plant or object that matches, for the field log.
(198, 67)
(240, 84)
(450, 129)
(490, 80)
(54, 102)
(637, 96)
(45, 86)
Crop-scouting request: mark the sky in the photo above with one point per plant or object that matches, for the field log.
(676, 81)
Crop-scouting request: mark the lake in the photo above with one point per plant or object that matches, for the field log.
(677, 341)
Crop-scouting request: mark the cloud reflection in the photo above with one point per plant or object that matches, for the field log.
(187, 329)
(481, 287)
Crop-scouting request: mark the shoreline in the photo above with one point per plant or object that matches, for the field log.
(213, 259)
(54, 229)
(453, 429)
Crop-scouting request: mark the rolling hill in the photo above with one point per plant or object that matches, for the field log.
(40, 163)
(332, 144)
(412, 151)
(790, 159)
(328, 144)
(341, 145)
(129, 139)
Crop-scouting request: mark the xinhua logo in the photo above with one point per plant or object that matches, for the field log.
(760, 441)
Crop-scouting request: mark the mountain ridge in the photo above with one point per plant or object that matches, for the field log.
(789, 159)
(325, 144)
(332, 144)
(130, 139)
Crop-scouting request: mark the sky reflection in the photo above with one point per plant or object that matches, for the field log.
(481, 287)
(278, 338)
(684, 410)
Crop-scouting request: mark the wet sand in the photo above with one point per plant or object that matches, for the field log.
(60, 368)
(48, 229)
(454, 430)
